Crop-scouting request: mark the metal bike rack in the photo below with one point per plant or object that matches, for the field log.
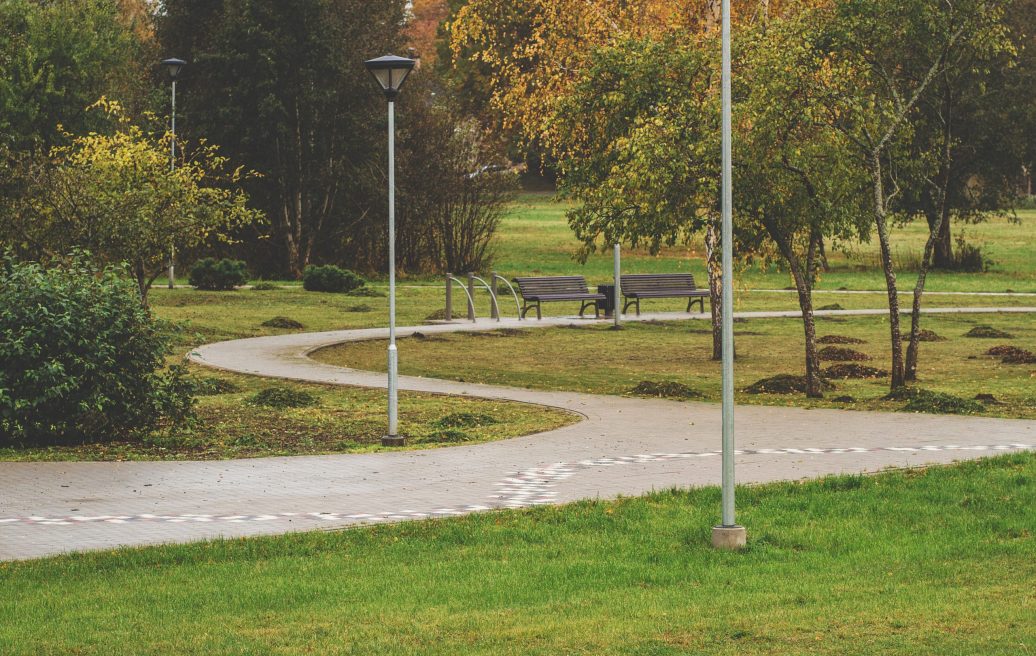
(517, 305)
(495, 311)
(449, 299)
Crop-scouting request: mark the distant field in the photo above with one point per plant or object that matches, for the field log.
(535, 239)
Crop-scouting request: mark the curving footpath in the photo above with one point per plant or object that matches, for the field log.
(623, 446)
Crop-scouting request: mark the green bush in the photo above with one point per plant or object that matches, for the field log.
(215, 275)
(265, 286)
(330, 279)
(81, 359)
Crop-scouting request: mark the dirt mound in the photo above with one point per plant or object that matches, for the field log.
(988, 332)
(1012, 354)
(847, 371)
(784, 384)
(838, 354)
(421, 337)
(988, 399)
(930, 336)
(283, 322)
(1024, 357)
(1005, 349)
(839, 339)
(832, 306)
(844, 399)
(668, 390)
(922, 400)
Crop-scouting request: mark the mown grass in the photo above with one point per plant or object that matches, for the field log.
(595, 359)
(933, 561)
(343, 420)
(535, 240)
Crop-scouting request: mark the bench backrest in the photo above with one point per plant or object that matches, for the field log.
(552, 285)
(650, 282)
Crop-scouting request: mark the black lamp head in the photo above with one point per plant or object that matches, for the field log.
(174, 66)
(390, 72)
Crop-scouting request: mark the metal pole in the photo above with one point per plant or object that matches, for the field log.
(494, 311)
(172, 167)
(471, 297)
(729, 535)
(392, 439)
(616, 308)
(448, 314)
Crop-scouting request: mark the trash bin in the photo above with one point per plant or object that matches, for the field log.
(608, 304)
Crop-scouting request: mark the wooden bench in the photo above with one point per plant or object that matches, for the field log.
(661, 285)
(535, 291)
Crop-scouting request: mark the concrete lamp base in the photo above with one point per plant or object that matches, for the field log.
(729, 538)
(393, 440)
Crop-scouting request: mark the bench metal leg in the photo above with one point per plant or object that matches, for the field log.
(527, 307)
(700, 301)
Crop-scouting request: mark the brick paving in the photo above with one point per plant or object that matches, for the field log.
(623, 446)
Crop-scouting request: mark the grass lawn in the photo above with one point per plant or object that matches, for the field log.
(342, 420)
(535, 240)
(936, 561)
(599, 360)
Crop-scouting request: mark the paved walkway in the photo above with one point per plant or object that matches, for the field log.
(623, 446)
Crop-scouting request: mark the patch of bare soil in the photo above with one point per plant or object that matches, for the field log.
(839, 354)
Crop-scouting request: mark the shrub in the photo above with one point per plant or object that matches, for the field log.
(215, 275)
(265, 286)
(330, 279)
(81, 359)
(282, 397)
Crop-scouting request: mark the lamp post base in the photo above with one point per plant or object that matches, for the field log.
(729, 538)
(393, 440)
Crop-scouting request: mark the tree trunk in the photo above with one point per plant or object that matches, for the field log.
(804, 286)
(143, 283)
(880, 219)
(943, 255)
(715, 271)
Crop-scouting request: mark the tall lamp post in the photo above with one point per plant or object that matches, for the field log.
(173, 66)
(390, 72)
(728, 535)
